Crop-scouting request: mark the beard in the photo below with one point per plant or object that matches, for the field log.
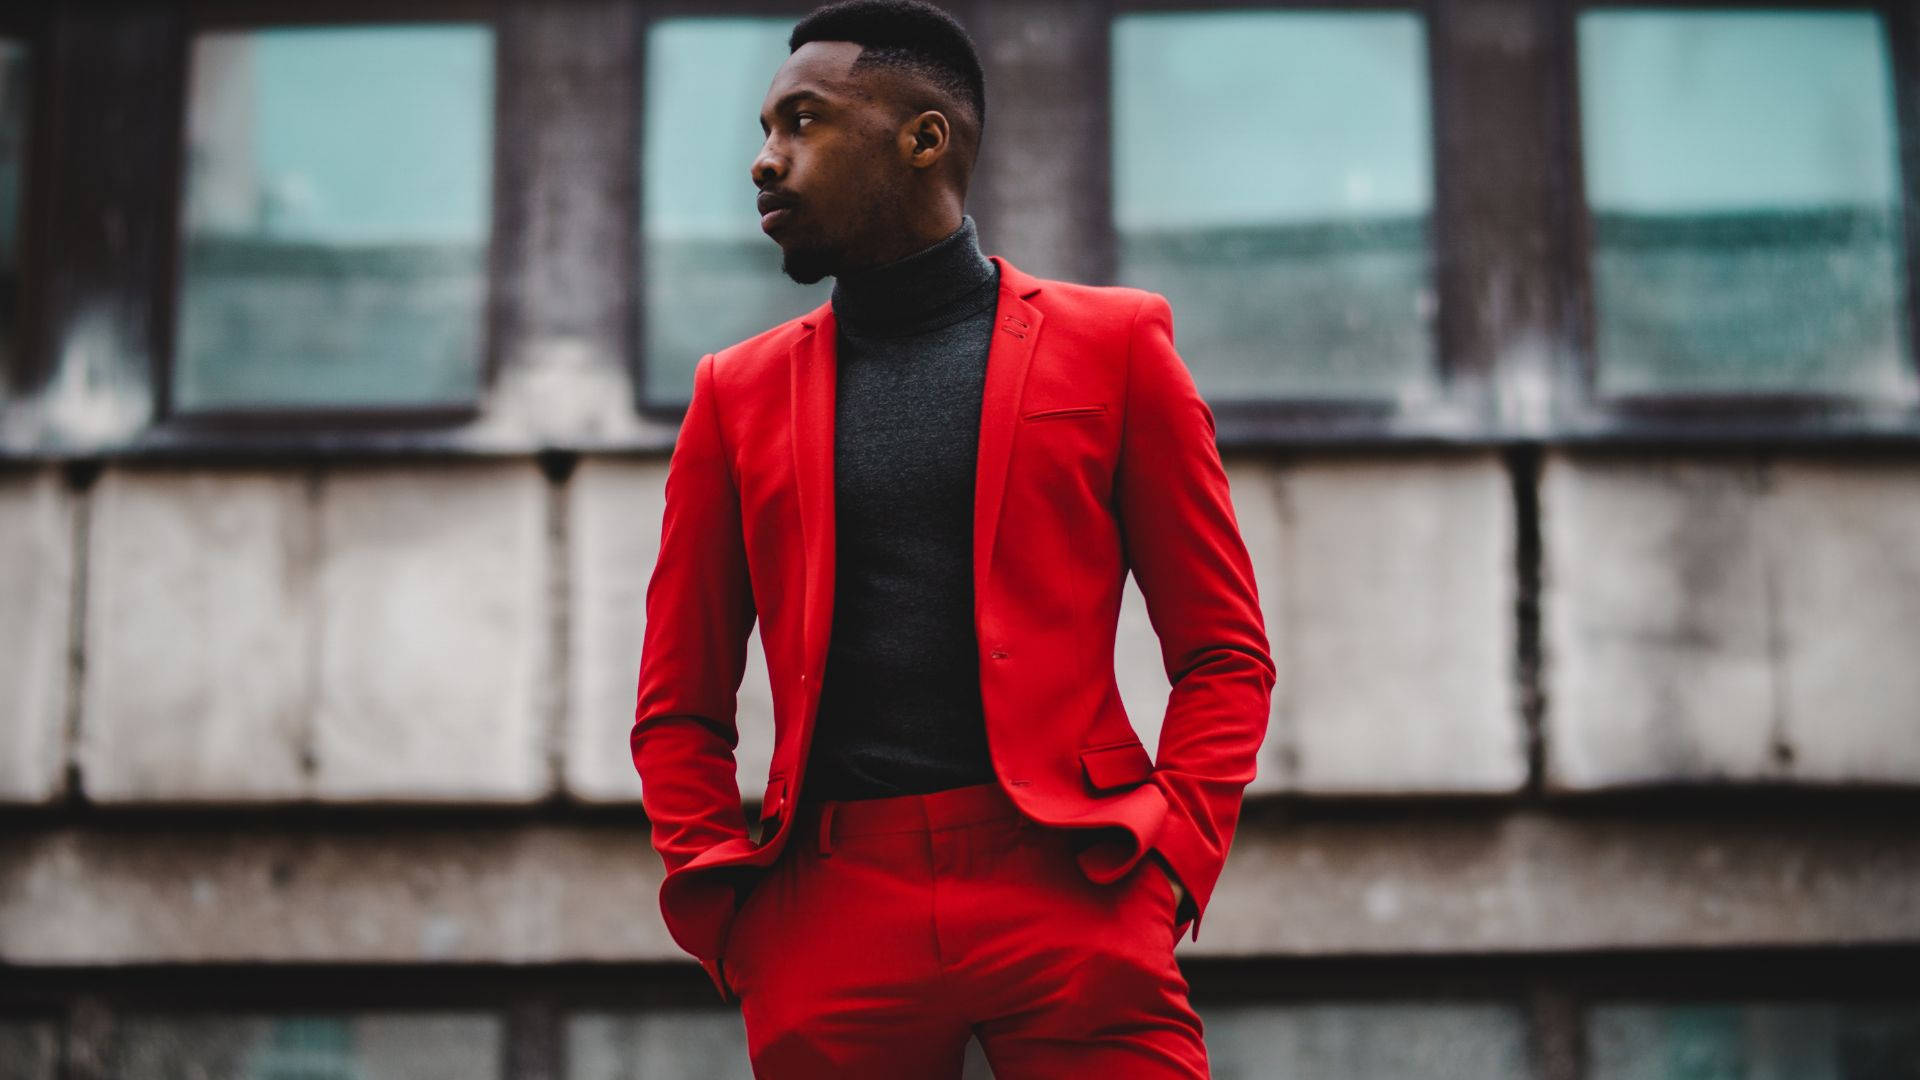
(807, 265)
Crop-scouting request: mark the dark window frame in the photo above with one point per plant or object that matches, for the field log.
(1720, 417)
(649, 15)
(30, 23)
(169, 422)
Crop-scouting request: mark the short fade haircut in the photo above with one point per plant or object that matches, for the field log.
(909, 35)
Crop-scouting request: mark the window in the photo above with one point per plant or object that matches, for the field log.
(1430, 1041)
(1742, 180)
(1424, 1040)
(710, 277)
(336, 218)
(1792, 1015)
(670, 1044)
(378, 1046)
(1736, 1041)
(1273, 176)
(15, 122)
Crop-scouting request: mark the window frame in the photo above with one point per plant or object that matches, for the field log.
(1718, 416)
(30, 23)
(1337, 419)
(203, 16)
(647, 17)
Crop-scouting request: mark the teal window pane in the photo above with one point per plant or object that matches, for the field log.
(1374, 1040)
(662, 1044)
(711, 277)
(15, 115)
(1747, 1041)
(337, 216)
(1742, 172)
(1273, 176)
(679, 1044)
(379, 1046)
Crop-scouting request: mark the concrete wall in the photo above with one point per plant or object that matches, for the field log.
(354, 634)
(419, 893)
(470, 633)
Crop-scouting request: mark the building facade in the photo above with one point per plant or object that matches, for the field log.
(1563, 360)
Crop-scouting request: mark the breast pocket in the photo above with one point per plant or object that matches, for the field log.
(1065, 412)
(1067, 453)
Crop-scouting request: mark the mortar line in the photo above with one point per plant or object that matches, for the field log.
(313, 533)
(1529, 655)
(78, 484)
(558, 472)
(1780, 749)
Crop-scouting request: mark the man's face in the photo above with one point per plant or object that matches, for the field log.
(832, 181)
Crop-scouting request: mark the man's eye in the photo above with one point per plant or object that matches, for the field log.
(801, 119)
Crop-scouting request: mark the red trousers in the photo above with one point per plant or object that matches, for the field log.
(890, 931)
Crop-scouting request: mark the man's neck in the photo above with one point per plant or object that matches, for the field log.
(917, 288)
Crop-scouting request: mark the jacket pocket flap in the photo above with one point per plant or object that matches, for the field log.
(1116, 766)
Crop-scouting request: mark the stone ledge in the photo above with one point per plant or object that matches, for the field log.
(1514, 883)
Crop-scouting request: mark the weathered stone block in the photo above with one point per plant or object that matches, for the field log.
(436, 641)
(615, 535)
(1845, 539)
(1397, 617)
(1526, 882)
(36, 605)
(400, 893)
(1732, 619)
(1656, 621)
(198, 635)
(1387, 587)
(1513, 883)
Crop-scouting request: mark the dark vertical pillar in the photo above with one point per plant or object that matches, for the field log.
(566, 165)
(1042, 191)
(1500, 270)
(113, 173)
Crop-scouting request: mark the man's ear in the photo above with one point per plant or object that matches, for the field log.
(927, 138)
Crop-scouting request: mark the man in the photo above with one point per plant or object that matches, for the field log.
(929, 492)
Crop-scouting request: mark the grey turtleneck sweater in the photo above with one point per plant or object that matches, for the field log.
(900, 708)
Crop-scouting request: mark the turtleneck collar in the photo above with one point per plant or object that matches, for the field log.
(937, 285)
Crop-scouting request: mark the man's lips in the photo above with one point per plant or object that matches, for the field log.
(774, 208)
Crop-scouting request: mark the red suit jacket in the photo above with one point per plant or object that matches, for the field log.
(1096, 456)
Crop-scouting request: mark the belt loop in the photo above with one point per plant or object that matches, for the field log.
(826, 827)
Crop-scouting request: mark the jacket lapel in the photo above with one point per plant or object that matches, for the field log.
(1016, 326)
(812, 372)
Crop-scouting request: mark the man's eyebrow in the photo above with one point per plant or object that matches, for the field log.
(789, 99)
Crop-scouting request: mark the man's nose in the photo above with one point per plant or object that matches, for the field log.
(767, 165)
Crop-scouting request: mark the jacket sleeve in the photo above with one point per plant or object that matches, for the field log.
(1184, 547)
(699, 611)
